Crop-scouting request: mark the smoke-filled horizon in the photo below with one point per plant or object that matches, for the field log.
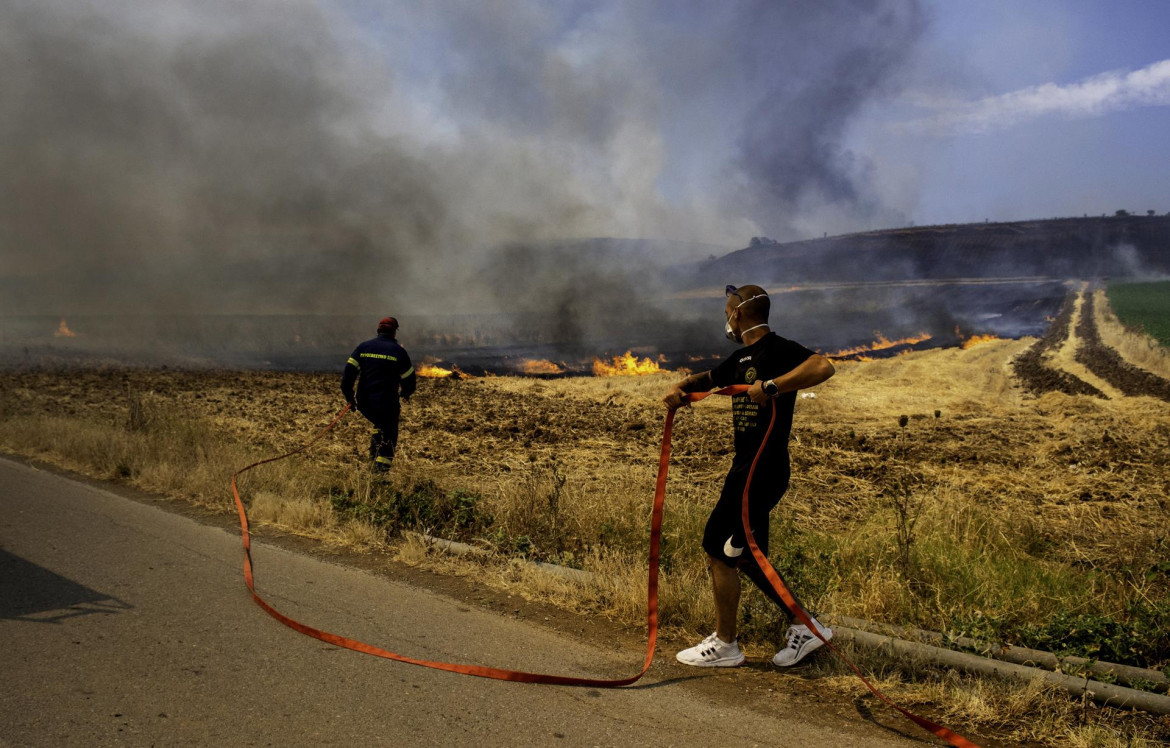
(322, 157)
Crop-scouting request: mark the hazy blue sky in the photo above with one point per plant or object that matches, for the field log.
(1064, 153)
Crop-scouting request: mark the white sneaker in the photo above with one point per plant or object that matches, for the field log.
(712, 652)
(801, 643)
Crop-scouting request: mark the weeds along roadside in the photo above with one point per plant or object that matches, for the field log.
(973, 521)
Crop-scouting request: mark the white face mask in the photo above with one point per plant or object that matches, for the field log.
(730, 333)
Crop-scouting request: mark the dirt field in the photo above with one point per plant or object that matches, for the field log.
(1073, 357)
(930, 489)
(1108, 364)
(1034, 367)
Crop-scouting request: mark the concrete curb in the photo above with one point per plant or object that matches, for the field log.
(450, 546)
(1102, 693)
(997, 661)
(1126, 674)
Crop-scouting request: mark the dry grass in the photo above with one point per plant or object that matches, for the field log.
(988, 512)
(1137, 348)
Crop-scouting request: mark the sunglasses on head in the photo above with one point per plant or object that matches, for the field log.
(730, 291)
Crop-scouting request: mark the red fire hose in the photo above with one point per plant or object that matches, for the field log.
(651, 597)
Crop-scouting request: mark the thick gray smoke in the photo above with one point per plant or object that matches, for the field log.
(291, 155)
(791, 142)
(186, 156)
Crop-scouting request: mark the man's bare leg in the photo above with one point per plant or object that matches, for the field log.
(725, 582)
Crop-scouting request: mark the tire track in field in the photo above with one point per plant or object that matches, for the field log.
(1068, 354)
(1107, 364)
(1032, 366)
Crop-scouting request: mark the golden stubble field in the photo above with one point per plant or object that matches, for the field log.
(928, 489)
(1072, 481)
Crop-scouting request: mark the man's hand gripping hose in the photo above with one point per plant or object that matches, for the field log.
(651, 593)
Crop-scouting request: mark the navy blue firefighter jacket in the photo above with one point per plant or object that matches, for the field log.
(385, 370)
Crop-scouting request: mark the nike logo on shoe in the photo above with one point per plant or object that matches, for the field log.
(730, 550)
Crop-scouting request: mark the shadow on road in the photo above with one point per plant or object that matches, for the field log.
(33, 593)
(863, 709)
(661, 683)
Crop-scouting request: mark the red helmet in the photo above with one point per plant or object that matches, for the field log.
(388, 324)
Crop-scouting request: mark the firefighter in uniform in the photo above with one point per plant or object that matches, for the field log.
(382, 370)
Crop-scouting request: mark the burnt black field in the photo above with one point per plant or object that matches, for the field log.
(824, 318)
(573, 301)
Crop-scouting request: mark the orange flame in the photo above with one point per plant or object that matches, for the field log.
(975, 340)
(881, 343)
(433, 372)
(63, 331)
(626, 365)
(429, 369)
(540, 366)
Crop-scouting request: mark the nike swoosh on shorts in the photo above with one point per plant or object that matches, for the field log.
(730, 550)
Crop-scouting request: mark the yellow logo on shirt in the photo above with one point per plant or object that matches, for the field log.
(750, 375)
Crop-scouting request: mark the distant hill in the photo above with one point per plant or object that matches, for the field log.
(1117, 246)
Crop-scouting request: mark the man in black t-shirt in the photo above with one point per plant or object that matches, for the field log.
(775, 368)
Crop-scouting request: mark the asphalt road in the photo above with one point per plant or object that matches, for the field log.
(121, 623)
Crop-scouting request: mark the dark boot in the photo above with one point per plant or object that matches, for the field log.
(382, 450)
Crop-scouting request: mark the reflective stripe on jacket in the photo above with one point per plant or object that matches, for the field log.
(385, 371)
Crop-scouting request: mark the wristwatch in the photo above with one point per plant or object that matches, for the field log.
(770, 388)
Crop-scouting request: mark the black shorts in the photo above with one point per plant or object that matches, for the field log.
(724, 538)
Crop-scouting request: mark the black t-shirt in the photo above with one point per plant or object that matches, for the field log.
(769, 357)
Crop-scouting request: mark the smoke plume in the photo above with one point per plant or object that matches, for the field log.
(292, 155)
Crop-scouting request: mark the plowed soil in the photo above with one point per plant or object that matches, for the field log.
(1036, 372)
(1107, 364)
